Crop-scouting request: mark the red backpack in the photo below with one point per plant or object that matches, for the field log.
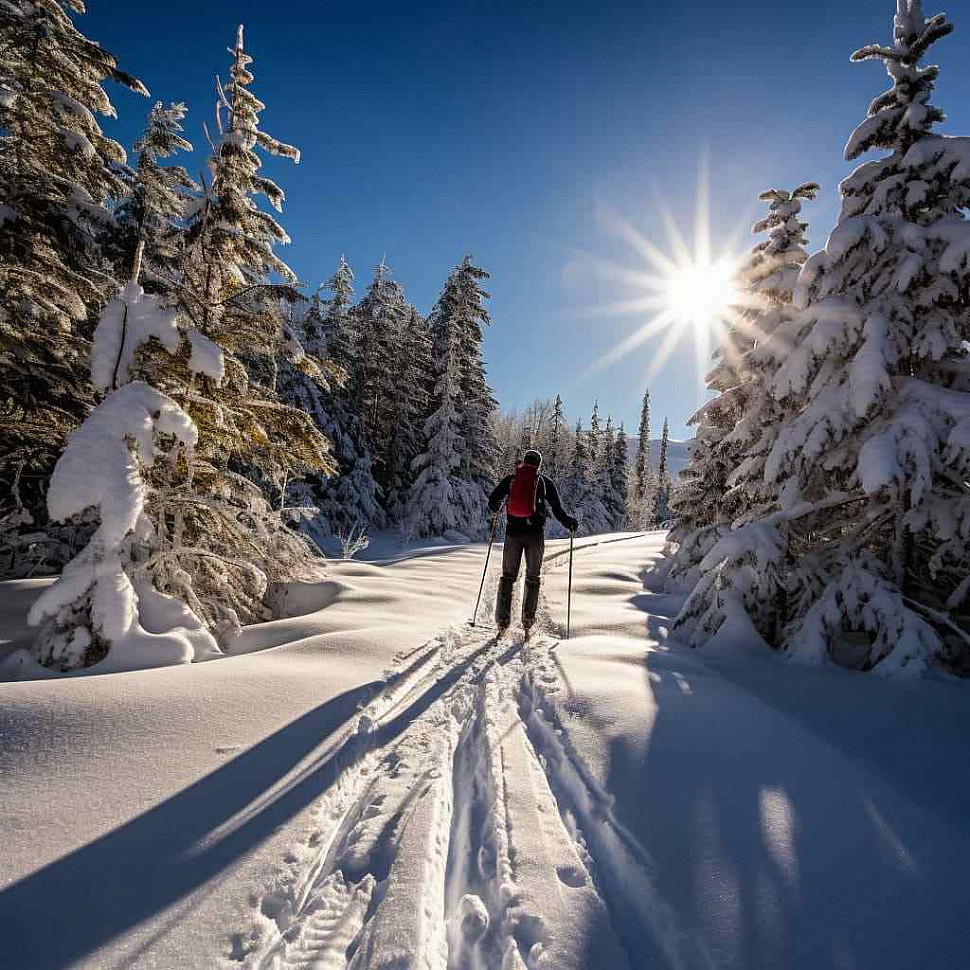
(522, 491)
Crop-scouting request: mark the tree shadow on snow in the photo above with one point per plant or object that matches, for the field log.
(796, 818)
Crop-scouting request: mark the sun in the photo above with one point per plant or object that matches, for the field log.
(687, 291)
(703, 292)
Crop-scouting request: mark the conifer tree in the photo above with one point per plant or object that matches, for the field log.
(661, 507)
(872, 464)
(338, 320)
(439, 499)
(871, 460)
(554, 459)
(462, 306)
(576, 487)
(57, 174)
(619, 468)
(379, 321)
(225, 541)
(592, 488)
(350, 497)
(724, 482)
(412, 393)
(641, 482)
(153, 213)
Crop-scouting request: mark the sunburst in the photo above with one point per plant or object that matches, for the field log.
(685, 291)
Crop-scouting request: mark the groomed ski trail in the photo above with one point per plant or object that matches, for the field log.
(460, 831)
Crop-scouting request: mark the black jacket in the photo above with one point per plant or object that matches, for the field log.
(546, 495)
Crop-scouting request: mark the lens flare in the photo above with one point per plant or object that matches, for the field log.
(682, 290)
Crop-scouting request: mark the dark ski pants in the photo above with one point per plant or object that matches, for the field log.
(531, 545)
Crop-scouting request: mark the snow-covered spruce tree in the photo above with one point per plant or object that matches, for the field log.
(440, 500)
(337, 319)
(105, 609)
(591, 482)
(661, 502)
(379, 321)
(872, 467)
(640, 487)
(731, 573)
(57, 173)
(618, 476)
(411, 396)
(349, 498)
(462, 303)
(872, 463)
(575, 487)
(554, 456)
(224, 541)
(457, 318)
(152, 215)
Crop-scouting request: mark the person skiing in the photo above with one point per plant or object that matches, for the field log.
(528, 493)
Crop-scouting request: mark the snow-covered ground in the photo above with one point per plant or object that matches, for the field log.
(379, 782)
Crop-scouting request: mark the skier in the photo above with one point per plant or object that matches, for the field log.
(528, 494)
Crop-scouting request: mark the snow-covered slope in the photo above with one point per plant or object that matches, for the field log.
(389, 785)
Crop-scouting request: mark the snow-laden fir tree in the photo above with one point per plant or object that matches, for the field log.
(575, 488)
(224, 541)
(440, 500)
(872, 460)
(554, 454)
(462, 305)
(152, 215)
(411, 396)
(731, 573)
(338, 323)
(379, 322)
(350, 497)
(105, 608)
(618, 477)
(872, 465)
(661, 502)
(587, 483)
(57, 174)
(640, 488)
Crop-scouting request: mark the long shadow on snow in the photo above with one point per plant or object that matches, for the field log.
(116, 882)
(791, 820)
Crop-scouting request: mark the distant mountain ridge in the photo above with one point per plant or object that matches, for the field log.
(678, 453)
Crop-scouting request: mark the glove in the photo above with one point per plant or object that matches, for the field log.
(571, 523)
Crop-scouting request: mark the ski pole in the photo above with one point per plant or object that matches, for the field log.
(569, 594)
(491, 537)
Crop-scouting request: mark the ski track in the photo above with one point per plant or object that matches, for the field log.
(462, 832)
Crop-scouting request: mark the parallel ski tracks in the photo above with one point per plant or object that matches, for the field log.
(461, 833)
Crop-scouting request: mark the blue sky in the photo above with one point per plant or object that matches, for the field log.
(506, 129)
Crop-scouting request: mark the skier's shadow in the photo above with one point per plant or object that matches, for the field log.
(159, 858)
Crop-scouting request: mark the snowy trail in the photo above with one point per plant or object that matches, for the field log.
(387, 787)
(449, 838)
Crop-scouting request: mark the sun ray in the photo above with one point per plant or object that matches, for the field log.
(637, 305)
(634, 340)
(666, 348)
(702, 210)
(620, 228)
(609, 270)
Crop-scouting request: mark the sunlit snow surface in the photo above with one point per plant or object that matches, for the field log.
(375, 779)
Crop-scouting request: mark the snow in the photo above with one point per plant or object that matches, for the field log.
(128, 321)
(375, 777)
(101, 467)
(207, 357)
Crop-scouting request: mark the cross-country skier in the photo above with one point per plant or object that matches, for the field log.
(528, 493)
